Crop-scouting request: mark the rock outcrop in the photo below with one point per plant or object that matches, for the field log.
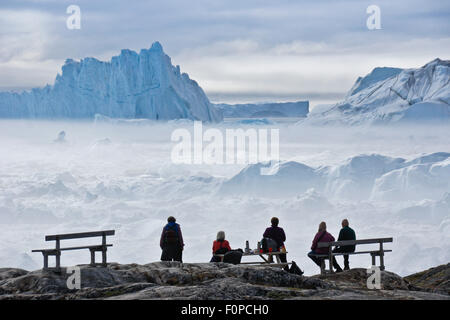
(432, 280)
(173, 280)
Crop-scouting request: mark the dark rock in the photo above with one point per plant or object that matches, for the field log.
(174, 280)
(432, 280)
(8, 273)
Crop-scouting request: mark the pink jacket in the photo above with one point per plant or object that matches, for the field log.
(327, 237)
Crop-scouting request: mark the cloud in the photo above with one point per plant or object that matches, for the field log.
(255, 47)
(321, 72)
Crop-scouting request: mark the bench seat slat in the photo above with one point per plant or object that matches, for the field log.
(349, 253)
(80, 235)
(257, 264)
(71, 248)
(354, 242)
(85, 247)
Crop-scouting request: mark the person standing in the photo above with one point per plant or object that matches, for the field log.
(277, 234)
(171, 241)
(346, 233)
(322, 236)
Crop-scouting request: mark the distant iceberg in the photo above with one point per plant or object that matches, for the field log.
(362, 177)
(391, 95)
(258, 110)
(262, 121)
(131, 85)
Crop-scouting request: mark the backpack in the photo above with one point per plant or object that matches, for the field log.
(267, 243)
(233, 256)
(171, 235)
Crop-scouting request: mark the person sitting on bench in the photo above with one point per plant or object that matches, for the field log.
(322, 236)
(346, 233)
(171, 241)
(277, 234)
(220, 246)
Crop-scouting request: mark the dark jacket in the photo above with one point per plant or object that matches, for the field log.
(177, 228)
(347, 233)
(277, 234)
(321, 236)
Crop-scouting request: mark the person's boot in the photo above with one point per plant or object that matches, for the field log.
(337, 266)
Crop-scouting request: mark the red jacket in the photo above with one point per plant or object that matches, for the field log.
(220, 244)
(327, 237)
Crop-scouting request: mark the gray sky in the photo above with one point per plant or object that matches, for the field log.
(237, 50)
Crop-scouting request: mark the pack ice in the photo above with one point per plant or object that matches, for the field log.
(131, 85)
(392, 95)
(362, 177)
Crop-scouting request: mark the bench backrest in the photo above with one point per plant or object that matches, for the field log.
(80, 235)
(353, 242)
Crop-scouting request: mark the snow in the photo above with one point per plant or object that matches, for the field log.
(292, 178)
(118, 175)
(377, 74)
(427, 111)
(418, 181)
(131, 85)
(390, 95)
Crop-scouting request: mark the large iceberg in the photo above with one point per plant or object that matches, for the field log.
(131, 85)
(391, 95)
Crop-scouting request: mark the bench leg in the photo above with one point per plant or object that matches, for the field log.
(373, 260)
(381, 256)
(322, 266)
(330, 258)
(58, 262)
(92, 258)
(104, 257)
(278, 258)
(45, 260)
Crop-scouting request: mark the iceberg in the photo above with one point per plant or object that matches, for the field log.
(391, 95)
(361, 177)
(131, 85)
(257, 110)
(377, 74)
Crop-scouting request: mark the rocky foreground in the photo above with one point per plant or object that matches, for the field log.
(173, 280)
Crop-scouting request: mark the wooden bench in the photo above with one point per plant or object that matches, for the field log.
(374, 253)
(92, 248)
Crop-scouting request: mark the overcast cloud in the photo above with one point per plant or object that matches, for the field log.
(238, 51)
